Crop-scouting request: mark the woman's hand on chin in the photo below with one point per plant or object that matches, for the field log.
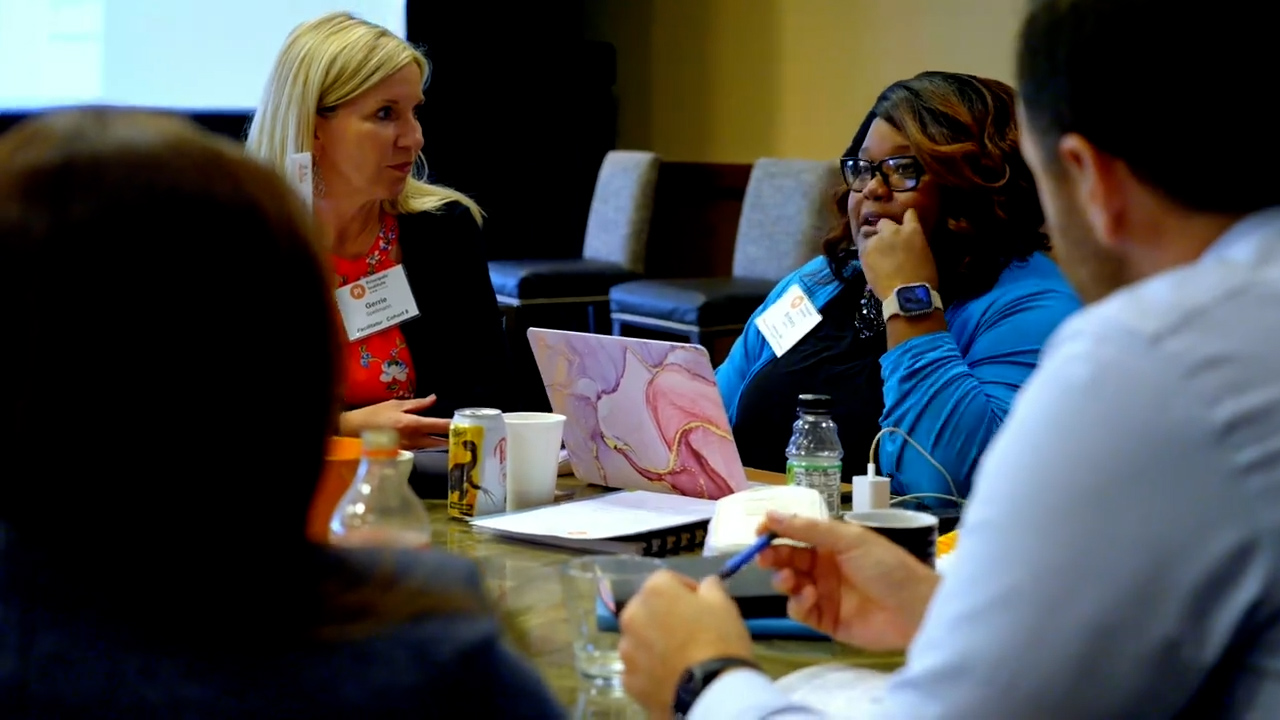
(416, 432)
(898, 255)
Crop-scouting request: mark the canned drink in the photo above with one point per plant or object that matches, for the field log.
(477, 463)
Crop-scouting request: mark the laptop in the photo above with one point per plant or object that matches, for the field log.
(640, 414)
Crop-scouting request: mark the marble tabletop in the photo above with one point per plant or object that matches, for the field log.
(525, 579)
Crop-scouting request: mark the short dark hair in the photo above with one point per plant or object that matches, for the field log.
(964, 130)
(1139, 79)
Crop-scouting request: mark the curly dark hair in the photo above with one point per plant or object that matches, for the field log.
(964, 130)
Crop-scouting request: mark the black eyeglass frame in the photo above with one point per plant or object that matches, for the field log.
(853, 167)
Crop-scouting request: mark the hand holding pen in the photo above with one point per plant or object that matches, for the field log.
(744, 558)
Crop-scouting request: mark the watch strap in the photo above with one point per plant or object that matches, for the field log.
(891, 307)
(697, 678)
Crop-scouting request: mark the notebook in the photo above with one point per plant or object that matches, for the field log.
(736, 522)
(641, 414)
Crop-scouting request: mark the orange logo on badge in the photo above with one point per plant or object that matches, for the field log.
(796, 302)
(358, 291)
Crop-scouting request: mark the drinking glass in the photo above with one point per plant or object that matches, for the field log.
(594, 587)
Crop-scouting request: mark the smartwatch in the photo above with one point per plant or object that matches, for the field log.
(697, 678)
(912, 301)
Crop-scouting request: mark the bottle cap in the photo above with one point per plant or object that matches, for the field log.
(380, 442)
(814, 405)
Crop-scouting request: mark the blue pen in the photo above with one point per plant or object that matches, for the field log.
(739, 561)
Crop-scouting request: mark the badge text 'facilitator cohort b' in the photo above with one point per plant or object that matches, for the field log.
(375, 303)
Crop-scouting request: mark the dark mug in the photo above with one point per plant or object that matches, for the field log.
(913, 531)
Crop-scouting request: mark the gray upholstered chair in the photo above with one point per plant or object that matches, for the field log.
(612, 251)
(787, 210)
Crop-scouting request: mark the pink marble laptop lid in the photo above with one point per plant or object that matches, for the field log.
(642, 414)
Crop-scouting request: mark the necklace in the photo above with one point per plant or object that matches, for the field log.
(870, 317)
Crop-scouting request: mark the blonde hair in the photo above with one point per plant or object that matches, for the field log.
(326, 62)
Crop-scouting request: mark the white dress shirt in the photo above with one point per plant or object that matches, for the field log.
(1120, 554)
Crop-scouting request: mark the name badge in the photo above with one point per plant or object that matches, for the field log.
(787, 320)
(375, 303)
(298, 171)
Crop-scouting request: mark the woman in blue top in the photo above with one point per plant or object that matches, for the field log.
(942, 234)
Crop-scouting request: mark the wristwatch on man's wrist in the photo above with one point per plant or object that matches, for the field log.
(697, 678)
(912, 301)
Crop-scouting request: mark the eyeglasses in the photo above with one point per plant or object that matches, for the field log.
(900, 173)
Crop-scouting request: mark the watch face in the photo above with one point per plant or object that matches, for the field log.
(915, 299)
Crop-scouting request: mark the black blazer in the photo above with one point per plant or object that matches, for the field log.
(457, 343)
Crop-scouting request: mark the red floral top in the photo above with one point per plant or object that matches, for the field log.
(378, 366)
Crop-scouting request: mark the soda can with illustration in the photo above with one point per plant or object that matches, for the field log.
(477, 463)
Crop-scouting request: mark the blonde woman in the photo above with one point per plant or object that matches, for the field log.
(423, 329)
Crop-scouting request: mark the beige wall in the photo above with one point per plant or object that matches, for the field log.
(728, 81)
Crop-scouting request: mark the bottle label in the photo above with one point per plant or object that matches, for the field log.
(817, 476)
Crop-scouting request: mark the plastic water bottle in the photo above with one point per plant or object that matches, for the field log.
(379, 509)
(814, 453)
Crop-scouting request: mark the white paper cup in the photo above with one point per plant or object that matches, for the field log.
(533, 458)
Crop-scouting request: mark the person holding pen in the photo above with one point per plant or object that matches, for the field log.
(1118, 558)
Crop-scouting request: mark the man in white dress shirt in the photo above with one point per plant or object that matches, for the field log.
(1120, 555)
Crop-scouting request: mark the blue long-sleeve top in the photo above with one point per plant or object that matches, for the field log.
(949, 391)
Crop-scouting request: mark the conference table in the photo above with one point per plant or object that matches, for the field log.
(525, 579)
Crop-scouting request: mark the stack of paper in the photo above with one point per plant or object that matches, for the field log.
(626, 522)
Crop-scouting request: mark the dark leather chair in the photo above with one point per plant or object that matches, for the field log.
(786, 211)
(612, 251)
